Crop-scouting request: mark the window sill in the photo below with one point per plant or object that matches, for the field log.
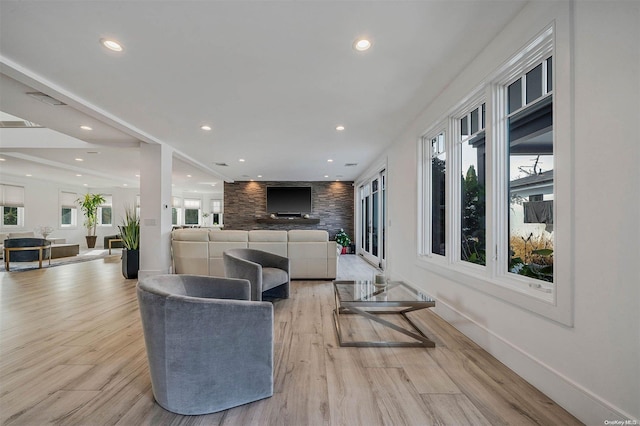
(520, 291)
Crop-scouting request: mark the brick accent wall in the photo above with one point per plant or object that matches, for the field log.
(332, 203)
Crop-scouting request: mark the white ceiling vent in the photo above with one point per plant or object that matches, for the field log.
(43, 97)
(17, 124)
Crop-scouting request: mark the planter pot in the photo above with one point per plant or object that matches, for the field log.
(344, 250)
(91, 241)
(130, 263)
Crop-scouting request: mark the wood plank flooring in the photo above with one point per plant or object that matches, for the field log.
(72, 353)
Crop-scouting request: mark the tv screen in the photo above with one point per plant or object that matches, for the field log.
(289, 200)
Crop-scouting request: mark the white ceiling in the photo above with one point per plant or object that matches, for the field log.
(273, 79)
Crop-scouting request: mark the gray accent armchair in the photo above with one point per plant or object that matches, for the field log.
(268, 273)
(209, 347)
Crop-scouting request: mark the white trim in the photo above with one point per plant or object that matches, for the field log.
(425, 239)
(495, 280)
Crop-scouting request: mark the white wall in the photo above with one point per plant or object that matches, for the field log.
(592, 367)
(42, 208)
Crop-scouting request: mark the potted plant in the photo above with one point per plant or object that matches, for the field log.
(342, 238)
(89, 205)
(130, 234)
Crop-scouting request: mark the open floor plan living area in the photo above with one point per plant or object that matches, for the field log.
(83, 361)
(319, 212)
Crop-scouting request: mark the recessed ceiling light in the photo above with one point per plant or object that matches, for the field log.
(362, 44)
(241, 160)
(28, 175)
(329, 160)
(125, 184)
(111, 44)
(259, 176)
(340, 128)
(86, 128)
(3, 159)
(326, 176)
(79, 159)
(205, 127)
(85, 184)
(188, 175)
(138, 176)
(78, 175)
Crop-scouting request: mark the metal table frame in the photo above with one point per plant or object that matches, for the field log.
(8, 250)
(359, 307)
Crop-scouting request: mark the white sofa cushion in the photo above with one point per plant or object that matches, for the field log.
(21, 235)
(311, 254)
(190, 251)
(219, 241)
(304, 235)
(270, 241)
(190, 234)
(228, 236)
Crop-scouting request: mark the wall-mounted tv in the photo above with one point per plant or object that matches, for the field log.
(289, 200)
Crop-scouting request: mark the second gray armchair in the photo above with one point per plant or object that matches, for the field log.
(268, 273)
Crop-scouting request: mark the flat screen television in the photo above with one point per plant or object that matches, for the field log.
(289, 200)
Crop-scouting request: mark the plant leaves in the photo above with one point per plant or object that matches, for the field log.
(543, 252)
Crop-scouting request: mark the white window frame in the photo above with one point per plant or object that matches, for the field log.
(529, 60)
(107, 203)
(217, 207)
(67, 200)
(190, 204)
(425, 189)
(464, 109)
(494, 279)
(176, 203)
(12, 196)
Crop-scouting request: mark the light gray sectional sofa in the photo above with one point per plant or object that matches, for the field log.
(199, 251)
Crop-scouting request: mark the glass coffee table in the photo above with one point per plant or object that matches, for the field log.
(370, 301)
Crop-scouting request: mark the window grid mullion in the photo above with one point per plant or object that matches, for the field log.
(454, 203)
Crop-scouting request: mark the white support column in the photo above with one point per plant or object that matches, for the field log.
(155, 209)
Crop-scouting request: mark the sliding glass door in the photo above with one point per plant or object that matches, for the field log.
(372, 219)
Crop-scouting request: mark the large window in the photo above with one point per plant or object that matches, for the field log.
(105, 211)
(68, 209)
(434, 178)
(438, 194)
(472, 155)
(12, 205)
(216, 212)
(176, 211)
(492, 162)
(192, 207)
(529, 111)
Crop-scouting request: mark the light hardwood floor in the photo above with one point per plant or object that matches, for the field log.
(72, 353)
